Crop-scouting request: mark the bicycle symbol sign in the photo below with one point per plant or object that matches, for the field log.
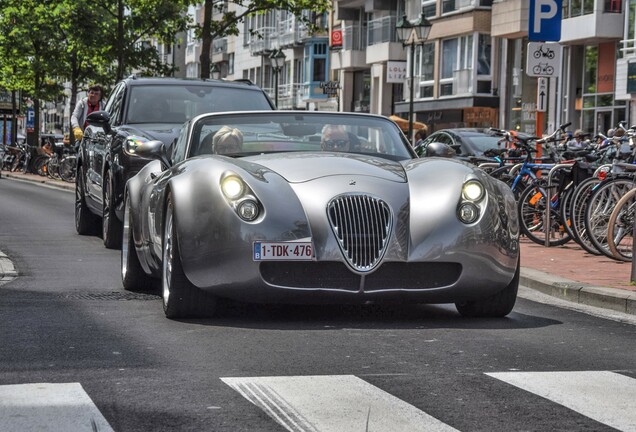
(543, 59)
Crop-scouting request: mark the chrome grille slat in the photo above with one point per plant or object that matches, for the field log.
(362, 225)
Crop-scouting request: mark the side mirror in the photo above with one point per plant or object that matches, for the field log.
(153, 150)
(101, 119)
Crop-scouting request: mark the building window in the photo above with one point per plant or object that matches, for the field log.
(424, 68)
(456, 66)
(574, 8)
(230, 64)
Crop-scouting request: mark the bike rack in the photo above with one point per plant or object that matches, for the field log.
(487, 165)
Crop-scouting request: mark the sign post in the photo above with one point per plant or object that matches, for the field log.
(542, 94)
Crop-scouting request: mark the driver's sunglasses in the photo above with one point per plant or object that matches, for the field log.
(336, 144)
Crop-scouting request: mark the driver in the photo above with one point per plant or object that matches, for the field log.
(335, 138)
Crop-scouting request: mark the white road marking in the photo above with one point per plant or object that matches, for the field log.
(332, 403)
(606, 397)
(49, 407)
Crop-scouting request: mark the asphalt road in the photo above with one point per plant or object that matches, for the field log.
(77, 352)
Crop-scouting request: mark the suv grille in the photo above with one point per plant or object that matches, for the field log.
(362, 225)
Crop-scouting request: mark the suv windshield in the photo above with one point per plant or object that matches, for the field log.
(180, 103)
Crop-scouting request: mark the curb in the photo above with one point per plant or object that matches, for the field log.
(578, 292)
(40, 180)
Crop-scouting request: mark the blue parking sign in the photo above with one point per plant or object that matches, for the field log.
(544, 21)
(30, 118)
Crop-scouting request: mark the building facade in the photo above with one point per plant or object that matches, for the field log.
(470, 71)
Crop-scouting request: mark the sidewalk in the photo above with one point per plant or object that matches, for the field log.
(567, 272)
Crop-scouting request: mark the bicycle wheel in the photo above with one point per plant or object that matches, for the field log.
(68, 169)
(600, 207)
(53, 168)
(620, 230)
(565, 198)
(578, 205)
(40, 165)
(532, 208)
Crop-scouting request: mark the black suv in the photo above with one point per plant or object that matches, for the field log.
(146, 109)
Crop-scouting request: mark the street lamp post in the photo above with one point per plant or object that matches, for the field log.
(277, 61)
(412, 34)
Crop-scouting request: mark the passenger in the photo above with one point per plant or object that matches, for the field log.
(335, 138)
(227, 140)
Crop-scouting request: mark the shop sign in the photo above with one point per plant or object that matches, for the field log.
(481, 115)
(396, 72)
(336, 39)
(330, 87)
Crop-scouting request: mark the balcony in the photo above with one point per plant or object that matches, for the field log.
(290, 96)
(289, 33)
(605, 23)
(382, 30)
(219, 50)
(352, 56)
(267, 41)
(382, 41)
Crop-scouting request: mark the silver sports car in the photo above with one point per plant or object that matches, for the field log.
(315, 207)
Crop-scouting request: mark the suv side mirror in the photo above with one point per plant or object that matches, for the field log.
(101, 119)
(153, 150)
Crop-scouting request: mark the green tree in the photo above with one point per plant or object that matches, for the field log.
(31, 50)
(234, 12)
(131, 23)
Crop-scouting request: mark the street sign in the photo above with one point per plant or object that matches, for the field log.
(543, 59)
(30, 118)
(544, 20)
(542, 94)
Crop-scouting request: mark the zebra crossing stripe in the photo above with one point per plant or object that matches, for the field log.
(332, 403)
(49, 407)
(604, 396)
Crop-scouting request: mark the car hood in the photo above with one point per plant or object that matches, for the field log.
(302, 167)
(163, 132)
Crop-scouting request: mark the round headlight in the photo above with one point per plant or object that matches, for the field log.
(233, 187)
(468, 213)
(473, 190)
(248, 210)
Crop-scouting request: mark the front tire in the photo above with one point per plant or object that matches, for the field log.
(111, 226)
(85, 221)
(133, 276)
(180, 297)
(497, 305)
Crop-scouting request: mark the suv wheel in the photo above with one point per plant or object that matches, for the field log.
(85, 221)
(111, 226)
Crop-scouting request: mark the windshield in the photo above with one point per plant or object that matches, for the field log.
(255, 133)
(179, 103)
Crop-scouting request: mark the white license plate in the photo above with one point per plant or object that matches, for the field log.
(284, 251)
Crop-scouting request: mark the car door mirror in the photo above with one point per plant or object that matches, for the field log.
(99, 119)
(152, 150)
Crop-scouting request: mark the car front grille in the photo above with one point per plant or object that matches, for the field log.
(362, 225)
(337, 276)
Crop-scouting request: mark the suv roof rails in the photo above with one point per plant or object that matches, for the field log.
(244, 80)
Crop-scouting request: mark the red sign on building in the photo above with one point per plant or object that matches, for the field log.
(336, 39)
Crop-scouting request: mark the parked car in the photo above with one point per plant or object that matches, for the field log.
(468, 143)
(142, 108)
(302, 212)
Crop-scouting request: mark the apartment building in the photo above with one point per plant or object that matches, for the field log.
(583, 92)
(469, 72)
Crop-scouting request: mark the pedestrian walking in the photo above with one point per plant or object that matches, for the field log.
(92, 102)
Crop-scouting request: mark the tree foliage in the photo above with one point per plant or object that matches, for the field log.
(234, 12)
